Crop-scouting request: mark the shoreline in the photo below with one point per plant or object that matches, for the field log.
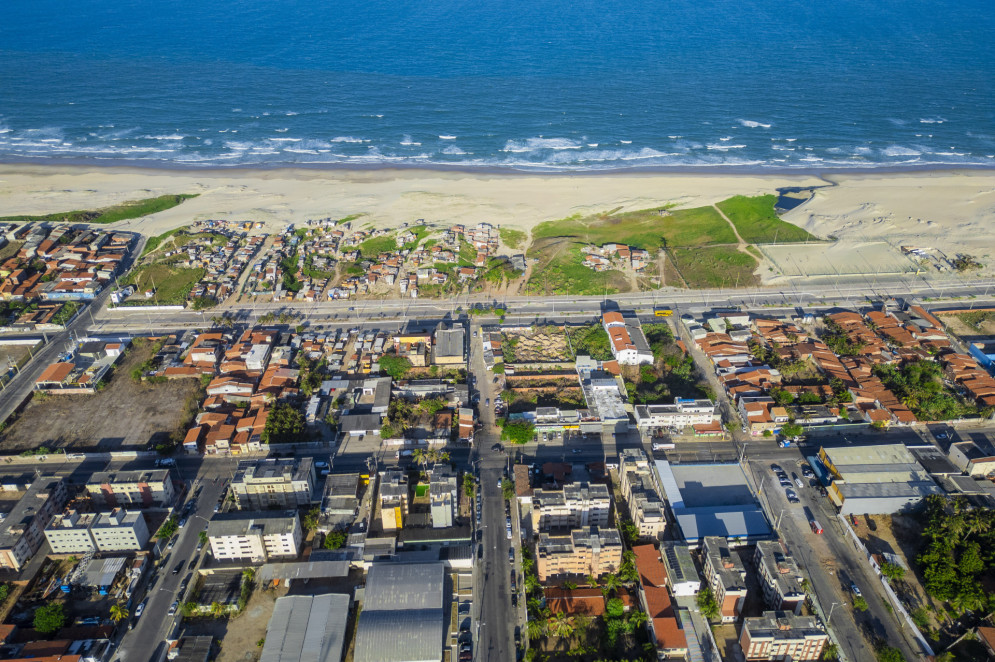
(540, 170)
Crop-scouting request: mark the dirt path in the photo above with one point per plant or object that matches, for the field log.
(742, 245)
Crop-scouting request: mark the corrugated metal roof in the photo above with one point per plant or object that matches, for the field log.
(402, 618)
(307, 629)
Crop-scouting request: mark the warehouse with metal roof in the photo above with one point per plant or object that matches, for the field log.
(712, 500)
(307, 628)
(879, 479)
(403, 612)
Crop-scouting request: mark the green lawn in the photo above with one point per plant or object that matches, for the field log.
(420, 232)
(155, 242)
(377, 245)
(512, 238)
(121, 212)
(172, 284)
(715, 266)
(560, 271)
(651, 229)
(757, 223)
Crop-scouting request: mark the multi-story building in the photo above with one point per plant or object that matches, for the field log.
(780, 577)
(443, 496)
(273, 483)
(23, 530)
(255, 536)
(576, 505)
(117, 531)
(782, 636)
(626, 338)
(683, 413)
(393, 499)
(135, 489)
(69, 533)
(726, 576)
(682, 576)
(585, 551)
(638, 486)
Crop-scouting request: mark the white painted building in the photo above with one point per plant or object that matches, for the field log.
(685, 412)
(255, 536)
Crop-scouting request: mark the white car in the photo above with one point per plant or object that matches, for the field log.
(173, 607)
(140, 609)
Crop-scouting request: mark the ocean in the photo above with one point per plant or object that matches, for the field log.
(546, 85)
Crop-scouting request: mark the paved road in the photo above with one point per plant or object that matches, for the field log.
(144, 642)
(495, 638)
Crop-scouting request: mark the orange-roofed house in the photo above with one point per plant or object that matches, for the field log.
(55, 375)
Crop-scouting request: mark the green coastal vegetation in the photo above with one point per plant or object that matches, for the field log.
(512, 238)
(700, 246)
(171, 284)
(112, 214)
(374, 246)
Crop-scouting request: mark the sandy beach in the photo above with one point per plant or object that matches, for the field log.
(953, 211)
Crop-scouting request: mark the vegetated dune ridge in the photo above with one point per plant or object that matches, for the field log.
(950, 210)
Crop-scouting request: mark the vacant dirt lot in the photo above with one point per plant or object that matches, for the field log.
(547, 343)
(126, 415)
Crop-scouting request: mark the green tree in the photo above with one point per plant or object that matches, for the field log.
(49, 618)
(469, 486)
(4, 592)
(792, 430)
(536, 628)
(830, 652)
(217, 609)
(859, 603)
(310, 520)
(615, 608)
(335, 540)
(189, 609)
(118, 612)
(168, 528)
(498, 368)
(707, 605)
(630, 532)
(892, 571)
(395, 366)
(507, 489)
(285, 424)
(886, 653)
(518, 432)
(202, 537)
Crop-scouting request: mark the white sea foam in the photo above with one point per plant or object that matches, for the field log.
(284, 140)
(726, 139)
(447, 137)
(289, 113)
(294, 150)
(348, 139)
(753, 124)
(592, 144)
(236, 110)
(931, 120)
(453, 150)
(281, 130)
(171, 136)
(535, 144)
(625, 142)
(900, 150)
(723, 148)
(406, 141)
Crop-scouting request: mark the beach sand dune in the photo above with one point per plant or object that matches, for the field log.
(950, 210)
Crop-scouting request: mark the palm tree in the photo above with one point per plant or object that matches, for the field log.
(119, 612)
(612, 583)
(638, 619)
(443, 457)
(536, 629)
(418, 455)
(561, 626)
(591, 580)
(217, 609)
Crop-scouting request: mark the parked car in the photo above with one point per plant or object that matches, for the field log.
(140, 609)
(799, 483)
(179, 566)
(815, 526)
(792, 497)
(173, 607)
(776, 468)
(855, 589)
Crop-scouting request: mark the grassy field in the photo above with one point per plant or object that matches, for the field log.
(715, 266)
(172, 284)
(377, 245)
(757, 223)
(512, 238)
(121, 212)
(155, 242)
(560, 271)
(420, 232)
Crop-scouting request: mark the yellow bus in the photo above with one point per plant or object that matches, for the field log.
(663, 312)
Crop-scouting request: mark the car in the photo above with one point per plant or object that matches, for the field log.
(200, 548)
(575, 451)
(500, 481)
(183, 522)
(169, 547)
(855, 589)
(790, 493)
(474, 334)
(179, 566)
(487, 402)
(217, 507)
(511, 554)
(140, 609)
(508, 532)
(183, 585)
(798, 482)
(815, 526)
(173, 607)
(941, 435)
(776, 468)
(785, 482)
(496, 447)
(807, 471)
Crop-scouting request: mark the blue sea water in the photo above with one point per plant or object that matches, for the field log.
(546, 84)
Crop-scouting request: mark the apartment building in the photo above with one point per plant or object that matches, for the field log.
(683, 413)
(23, 530)
(726, 576)
(582, 552)
(779, 576)
(255, 536)
(273, 483)
(639, 488)
(443, 496)
(576, 505)
(134, 489)
(782, 636)
(393, 499)
(117, 531)
(682, 576)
